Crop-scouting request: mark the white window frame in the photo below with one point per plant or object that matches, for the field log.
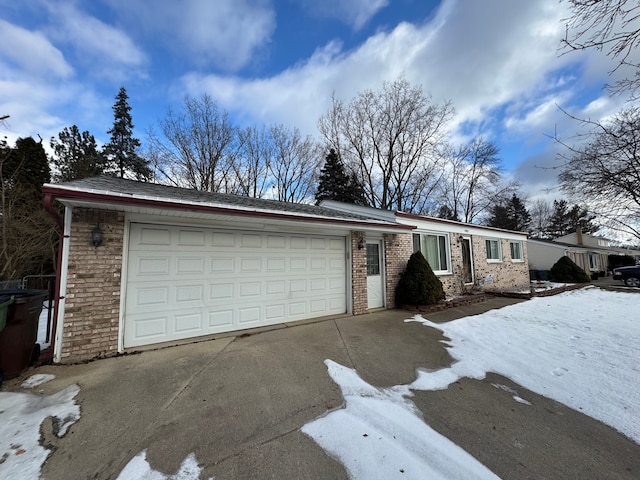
(520, 252)
(499, 243)
(594, 261)
(447, 246)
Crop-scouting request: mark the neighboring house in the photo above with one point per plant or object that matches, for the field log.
(142, 264)
(589, 252)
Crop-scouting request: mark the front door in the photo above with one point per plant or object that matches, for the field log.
(375, 298)
(467, 264)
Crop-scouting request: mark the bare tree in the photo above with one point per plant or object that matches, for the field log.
(609, 25)
(253, 161)
(196, 148)
(602, 169)
(391, 138)
(541, 212)
(295, 164)
(473, 181)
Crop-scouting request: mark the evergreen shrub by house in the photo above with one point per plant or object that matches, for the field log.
(418, 284)
(565, 270)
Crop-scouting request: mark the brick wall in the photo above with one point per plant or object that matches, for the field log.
(92, 302)
(487, 275)
(358, 274)
(398, 248)
(506, 274)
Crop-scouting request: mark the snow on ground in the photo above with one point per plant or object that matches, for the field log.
(380, 434)
(21, 415)
(37, 379)
(581, 348)
(139, 469)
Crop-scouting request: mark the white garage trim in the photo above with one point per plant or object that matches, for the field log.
(182, 282)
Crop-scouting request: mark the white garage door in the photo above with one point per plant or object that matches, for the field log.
(186, 282)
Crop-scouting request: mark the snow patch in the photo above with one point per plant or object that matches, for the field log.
(21, 415)
(380, 434)
(37, 379)
(139, 469)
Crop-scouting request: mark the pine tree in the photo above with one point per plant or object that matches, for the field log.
(335, 184)
(445, 212)
(564, 220)
(121, 149)
(76, 155)
(511, 215)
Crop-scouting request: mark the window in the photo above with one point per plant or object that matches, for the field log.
(435, 248)
(593, 261)
(373, 259)
(516, 251)
(494, 252)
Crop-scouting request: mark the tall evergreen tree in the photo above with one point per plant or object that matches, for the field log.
(27, 165)
(565, 221)
(121, 149)
(511, 215)
(335, 184)
(76, 155)
(27, 234)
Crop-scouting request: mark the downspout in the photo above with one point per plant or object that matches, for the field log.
(47, 355)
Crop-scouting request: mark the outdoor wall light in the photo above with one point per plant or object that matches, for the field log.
(96, 236)
(361, 244)
(460, 239)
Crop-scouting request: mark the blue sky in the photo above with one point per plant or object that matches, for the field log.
(279, 61)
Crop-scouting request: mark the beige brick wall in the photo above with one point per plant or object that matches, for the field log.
(398, 249)
(487, 275)
(93, 287)
(507, 274)
(358, 274)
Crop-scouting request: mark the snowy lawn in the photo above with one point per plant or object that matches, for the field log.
(581, 348)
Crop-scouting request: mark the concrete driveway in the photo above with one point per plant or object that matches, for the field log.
(238, 404)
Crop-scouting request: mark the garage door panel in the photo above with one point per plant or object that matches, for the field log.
(222, 265)
(191, 238)
(186, 282)
(191, 322)
(152, 266)
(220, 320)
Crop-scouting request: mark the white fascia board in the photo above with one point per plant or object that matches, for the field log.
(457, 228)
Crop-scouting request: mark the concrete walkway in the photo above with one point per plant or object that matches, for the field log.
(238, 404)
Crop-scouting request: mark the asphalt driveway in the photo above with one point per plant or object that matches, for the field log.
(238, 404)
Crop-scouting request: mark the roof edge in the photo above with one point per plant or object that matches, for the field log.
(73, 193)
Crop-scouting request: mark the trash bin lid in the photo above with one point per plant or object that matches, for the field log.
(20, 293)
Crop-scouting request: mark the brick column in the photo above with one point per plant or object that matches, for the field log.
(398, 248)
(91, 316)
(359, 273)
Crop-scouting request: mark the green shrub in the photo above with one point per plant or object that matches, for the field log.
(565, 270)
(418, 284)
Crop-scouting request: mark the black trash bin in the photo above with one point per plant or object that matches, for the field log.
(20, 333)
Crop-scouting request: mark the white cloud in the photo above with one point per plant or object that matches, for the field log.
(480, 55)
(104, 49)
(226, 33)
(30, 52)
(355, 13)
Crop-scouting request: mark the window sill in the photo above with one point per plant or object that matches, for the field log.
(493, 261)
